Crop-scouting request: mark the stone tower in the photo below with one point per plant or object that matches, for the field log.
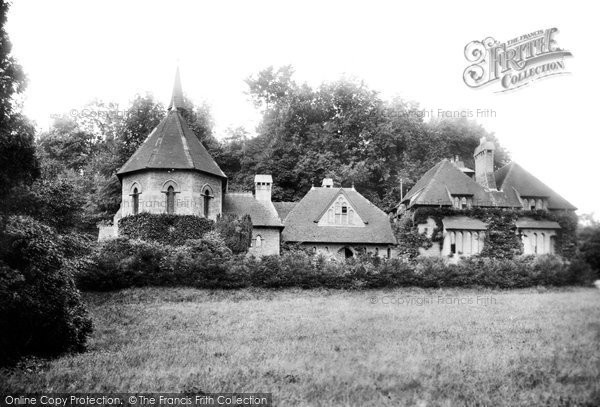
(171, 172)
(484, 164)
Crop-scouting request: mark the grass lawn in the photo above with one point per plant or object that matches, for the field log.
(424, 347)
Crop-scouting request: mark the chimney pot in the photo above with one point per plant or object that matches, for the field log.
(327, 183)
(262, 187)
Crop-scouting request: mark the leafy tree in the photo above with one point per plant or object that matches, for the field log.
(18, 164)
(589, 241)
(235, 231)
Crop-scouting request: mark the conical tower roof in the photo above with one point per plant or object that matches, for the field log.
(172, 145)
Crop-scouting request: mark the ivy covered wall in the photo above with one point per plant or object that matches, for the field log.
(502, 240)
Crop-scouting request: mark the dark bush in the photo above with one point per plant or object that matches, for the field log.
(209, 263)
(236, 232)
(164, 228)
(121, 263)
(41, 311)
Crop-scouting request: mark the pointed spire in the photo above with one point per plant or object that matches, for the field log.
(177, 97)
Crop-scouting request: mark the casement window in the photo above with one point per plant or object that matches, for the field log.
(534, 204)
(342, 213)
(462, 202)
(259, 241)
(464, 242)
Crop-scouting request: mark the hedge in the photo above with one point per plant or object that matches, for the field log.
(208, 263)
(164, 228)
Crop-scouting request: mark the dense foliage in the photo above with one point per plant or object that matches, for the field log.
(41, 311)
(208, 263)
(18, 164)
(589, 244)
(346, 131)
(236, 231)
(164, 228)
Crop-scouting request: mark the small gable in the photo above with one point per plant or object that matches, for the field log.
(341, 212)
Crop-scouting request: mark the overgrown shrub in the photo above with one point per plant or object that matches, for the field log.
(209, 263)
(236, 231)
(164, 228)
(41, 311)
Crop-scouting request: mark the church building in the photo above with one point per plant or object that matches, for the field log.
(172, 172)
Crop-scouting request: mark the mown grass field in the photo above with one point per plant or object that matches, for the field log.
(339, 348)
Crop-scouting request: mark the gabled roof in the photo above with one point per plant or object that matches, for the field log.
(172, 145)
(444, 179)
(284, 208)
(513, 179)
(301, 222)
(262, 213)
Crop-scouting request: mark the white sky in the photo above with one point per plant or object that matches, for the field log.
(74, 51)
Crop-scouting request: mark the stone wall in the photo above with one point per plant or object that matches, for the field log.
(269, 241)
(336, 249)
(188, 185)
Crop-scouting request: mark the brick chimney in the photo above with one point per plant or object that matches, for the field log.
(262, 187)
(484, 163)
(327, 183)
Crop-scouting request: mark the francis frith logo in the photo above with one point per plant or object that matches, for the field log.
(514, 63)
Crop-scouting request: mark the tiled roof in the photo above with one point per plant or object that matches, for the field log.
(513, 178)
(437, 185)
(284, 208)
(444, 179)
(301, 222)
(529, 223)
(463, 222)
(262, 213)
(172, 145)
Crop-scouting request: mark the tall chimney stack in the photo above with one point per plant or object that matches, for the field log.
(327, 183)
(262, 187)
(484, 164)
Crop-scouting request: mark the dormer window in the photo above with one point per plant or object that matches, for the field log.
(534, 203)
(462, 202)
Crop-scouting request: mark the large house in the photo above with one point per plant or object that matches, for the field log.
(450, 184)
(172, 172)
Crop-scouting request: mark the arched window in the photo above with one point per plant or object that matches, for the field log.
(207, 197)
(136, 201)
(463, 203)
(330, 216)
(170, 200)
(338, 213)
(377, 251)
(389, 253)
(258, 241)
(351, 217)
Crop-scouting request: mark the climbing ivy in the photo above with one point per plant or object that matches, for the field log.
(502, 240)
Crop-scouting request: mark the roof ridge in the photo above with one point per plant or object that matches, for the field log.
(429, 183)
(186, 148)
(159, 140)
